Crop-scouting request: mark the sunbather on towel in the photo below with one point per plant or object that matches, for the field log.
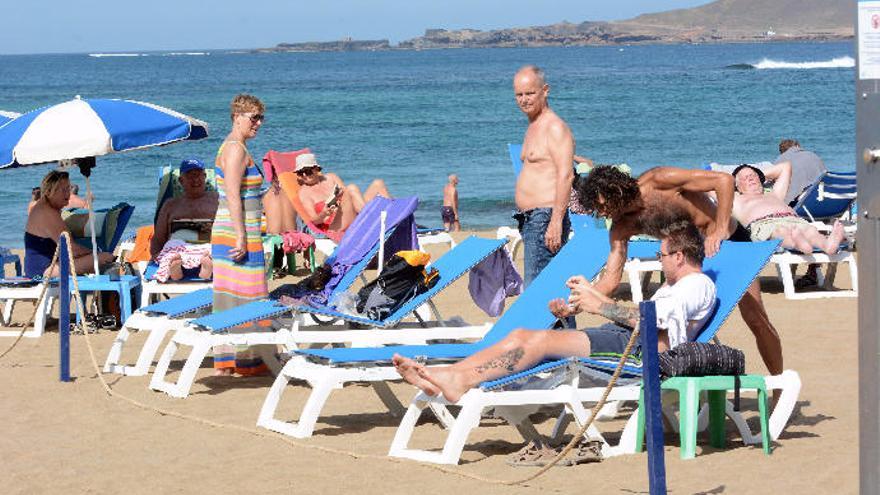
(196, 203)
(768, 216)
(329, 203)
(684, 303)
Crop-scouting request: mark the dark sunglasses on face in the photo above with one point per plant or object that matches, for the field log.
(257, 118)
(308, 171)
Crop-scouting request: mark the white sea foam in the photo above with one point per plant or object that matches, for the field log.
(99, 55)
(835, 63)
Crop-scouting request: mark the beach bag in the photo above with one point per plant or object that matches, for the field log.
(403, 278)
(702, 359)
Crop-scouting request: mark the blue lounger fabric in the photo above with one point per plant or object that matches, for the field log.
(584, 254)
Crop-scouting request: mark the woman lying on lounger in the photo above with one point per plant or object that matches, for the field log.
(327, 202)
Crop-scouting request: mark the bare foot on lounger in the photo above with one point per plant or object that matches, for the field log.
(175, 267)
(207, 269)
(448, 382)
(409, 370)
(834, 238)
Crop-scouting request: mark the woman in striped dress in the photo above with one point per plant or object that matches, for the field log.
(239, 270)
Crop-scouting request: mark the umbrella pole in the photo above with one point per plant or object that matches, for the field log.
(92, 224)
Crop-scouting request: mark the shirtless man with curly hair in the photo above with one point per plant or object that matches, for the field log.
(610, 193)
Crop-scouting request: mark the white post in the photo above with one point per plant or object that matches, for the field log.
(382, 219)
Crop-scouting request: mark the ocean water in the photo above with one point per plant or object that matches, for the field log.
(413, 117)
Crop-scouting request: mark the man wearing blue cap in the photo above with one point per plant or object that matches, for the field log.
(196, 206)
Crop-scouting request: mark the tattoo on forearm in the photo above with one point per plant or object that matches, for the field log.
(620, 314)
(508, 360)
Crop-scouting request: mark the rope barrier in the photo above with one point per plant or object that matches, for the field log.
(329, 450)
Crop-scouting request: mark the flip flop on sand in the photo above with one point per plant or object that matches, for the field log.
(587, 451)
(532, 455)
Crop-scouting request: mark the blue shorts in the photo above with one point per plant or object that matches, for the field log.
(610, 339)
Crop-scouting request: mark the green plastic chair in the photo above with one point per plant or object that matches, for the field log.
(689, 390)
(272, 242)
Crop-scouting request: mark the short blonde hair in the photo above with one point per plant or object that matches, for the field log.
(244, 103)
(52, 181)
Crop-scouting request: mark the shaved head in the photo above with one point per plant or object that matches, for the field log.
(532, 70)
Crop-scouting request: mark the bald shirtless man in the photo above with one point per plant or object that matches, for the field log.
(543, 187)
(610, 193)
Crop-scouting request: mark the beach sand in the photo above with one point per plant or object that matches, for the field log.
(73, 438)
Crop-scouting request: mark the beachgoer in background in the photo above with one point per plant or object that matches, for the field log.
(75, 200)
(627, 201)
(237, 248)
(768, 216)
(684, 303)
(35, 196)
(185, 218)
(582, 159)
(806, 168)
(329, 203)
(44, 227)
(449, 210)
(543, 187)
(280, 214)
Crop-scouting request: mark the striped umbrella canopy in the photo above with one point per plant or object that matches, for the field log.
(82, 128)
(7, 116)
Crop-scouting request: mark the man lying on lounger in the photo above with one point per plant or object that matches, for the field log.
(684, 303)
(768, 216)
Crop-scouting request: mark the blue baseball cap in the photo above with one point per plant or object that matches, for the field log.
(191, 164)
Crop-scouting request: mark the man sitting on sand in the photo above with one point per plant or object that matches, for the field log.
(328, 203)
(45, 226)
(197, 205)
(684, 303)
(768, 216)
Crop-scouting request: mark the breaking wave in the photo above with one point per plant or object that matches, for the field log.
(835, 63)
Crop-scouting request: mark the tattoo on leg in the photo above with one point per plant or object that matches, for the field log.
(620, 314)
(507, 360)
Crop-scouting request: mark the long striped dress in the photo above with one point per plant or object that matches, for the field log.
(243, 281)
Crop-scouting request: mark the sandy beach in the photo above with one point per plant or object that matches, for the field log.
(74, 438)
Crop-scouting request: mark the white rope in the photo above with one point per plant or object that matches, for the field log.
(355, 455)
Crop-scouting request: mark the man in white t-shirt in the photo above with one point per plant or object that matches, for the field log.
(683, 305)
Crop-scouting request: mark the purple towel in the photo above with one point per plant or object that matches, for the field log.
(493, 280)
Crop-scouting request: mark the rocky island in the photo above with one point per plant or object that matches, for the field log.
(721, 21)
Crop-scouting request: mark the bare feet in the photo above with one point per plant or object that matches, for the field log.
(834, 238)
(175, 268)
(207, 269)
(409, 370)
(224, 372)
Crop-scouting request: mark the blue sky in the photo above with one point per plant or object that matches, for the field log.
(65, 26)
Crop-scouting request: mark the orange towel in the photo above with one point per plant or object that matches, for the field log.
(141, 251)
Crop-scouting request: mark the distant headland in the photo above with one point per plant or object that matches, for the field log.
(721, 21)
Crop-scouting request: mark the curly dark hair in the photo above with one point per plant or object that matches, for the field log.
(617, 189)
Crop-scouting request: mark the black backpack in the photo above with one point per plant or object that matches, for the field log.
(403, 278)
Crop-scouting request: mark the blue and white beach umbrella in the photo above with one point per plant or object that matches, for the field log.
(82, 128)
(7, 116)
(86, 128)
